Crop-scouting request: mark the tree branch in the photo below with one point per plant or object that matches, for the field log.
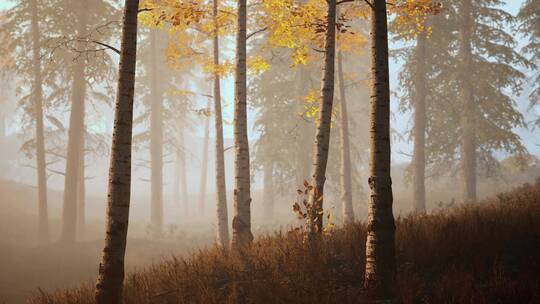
(256, 32)
(369, 3)
(117, 51)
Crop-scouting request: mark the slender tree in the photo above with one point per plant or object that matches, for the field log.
(419, 129)
(75, 135)
(81, 189)
(268, 191)
(241, 225)
(37, 97)
(345, 174)
(182, 166)
(322, 133)
(221, 191)
(204, 164)
(468, 138)
(304, 130)
(156, 141)
(380, 273)
(111, 271)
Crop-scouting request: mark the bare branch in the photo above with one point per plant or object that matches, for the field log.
(70, 43)
(370, 4)
(56, 171)
(107, 46)
(256, 32)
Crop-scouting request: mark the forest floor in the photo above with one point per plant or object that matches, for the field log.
(26, 265)
(482, 253)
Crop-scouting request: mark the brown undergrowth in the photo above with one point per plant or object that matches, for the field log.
(483, 253)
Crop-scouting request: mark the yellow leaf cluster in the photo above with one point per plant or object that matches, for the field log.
(411, 17)
(223, 69)
(351, 43)
(257, 65)
(293, 25)
(190, 25)
(311, 104)
(151, 14)
(301, 27)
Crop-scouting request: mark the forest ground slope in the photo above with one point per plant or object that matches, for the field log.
(481, 253)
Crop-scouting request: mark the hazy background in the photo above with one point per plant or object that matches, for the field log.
(25, 265)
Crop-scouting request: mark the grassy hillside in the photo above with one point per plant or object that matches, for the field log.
(486, 253)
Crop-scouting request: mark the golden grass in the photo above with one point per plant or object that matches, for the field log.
(483, 253)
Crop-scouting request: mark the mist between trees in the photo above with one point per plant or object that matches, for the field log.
(210, 123)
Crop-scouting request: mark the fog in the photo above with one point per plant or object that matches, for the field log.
(171, 212)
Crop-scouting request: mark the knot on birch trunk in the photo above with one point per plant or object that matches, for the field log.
(374, 181)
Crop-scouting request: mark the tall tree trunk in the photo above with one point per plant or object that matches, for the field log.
(268, 192)
(304, 132)
(75, 133)
(182, 174)
(322, 135)
(81, 189)
(176, 181)
(380, 274)
(241, 224)
(346, 191)
(221, 190)
(204, 165)
(111, 270)
(2, 124)
(419, 129)
(156, 143)
(468, 137)
(37, 97)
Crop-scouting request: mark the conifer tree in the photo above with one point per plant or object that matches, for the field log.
(529, 16)
(472, 88)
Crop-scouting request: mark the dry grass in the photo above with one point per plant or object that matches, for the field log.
(486, 253)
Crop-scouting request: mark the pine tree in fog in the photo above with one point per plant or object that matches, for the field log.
(529, 16)
(468, 79)
(281, 127)
(345, 170)
(28, 44)
(86, 72)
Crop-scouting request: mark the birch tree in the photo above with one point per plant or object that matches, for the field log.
(111, 270)
(241, 225)
(380, 272)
